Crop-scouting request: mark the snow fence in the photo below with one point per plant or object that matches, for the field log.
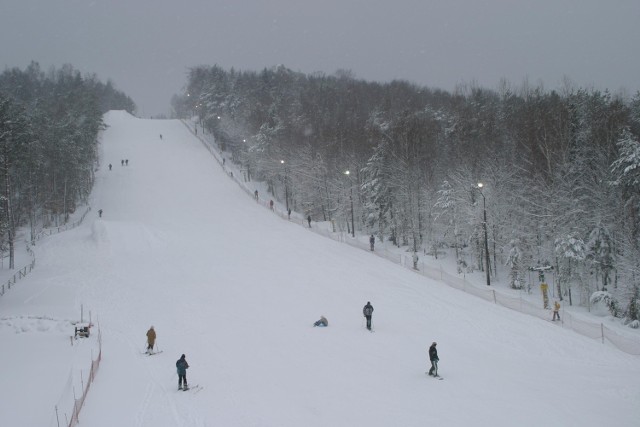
(76, 389)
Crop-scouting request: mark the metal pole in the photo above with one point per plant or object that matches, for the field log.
(353, 230)
(286, 188)
(486, 241)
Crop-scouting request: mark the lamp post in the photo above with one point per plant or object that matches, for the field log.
(484, 226)
(286, 187)
(353, 230)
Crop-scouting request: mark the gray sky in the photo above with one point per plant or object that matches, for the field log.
(146, 46)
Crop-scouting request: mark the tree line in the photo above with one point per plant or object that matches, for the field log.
(560, 169)
(49, 125)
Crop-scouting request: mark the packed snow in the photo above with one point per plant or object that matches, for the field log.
(237, 289)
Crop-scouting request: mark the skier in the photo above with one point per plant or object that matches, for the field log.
(433, 357)
(372, 241)
(309, 220)
(271, 204)
(100, 213)
(255, 194)
(121, 162)
(182, 366)
(151, 339)
(415, 260)
(109, 166)
(289, 214)
(126, 162)
(160, 136)
(367, 310)
(556, 309)
(322, 322)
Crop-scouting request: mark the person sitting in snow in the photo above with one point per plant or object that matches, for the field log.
(323, 322)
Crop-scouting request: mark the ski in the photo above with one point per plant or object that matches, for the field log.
(438, 377)
(152, 353)
(196, 388)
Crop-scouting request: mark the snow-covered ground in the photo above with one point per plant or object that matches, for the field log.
(237, 289)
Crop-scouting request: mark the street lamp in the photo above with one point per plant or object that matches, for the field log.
(286, 187)
(353, 230)
(484, 226)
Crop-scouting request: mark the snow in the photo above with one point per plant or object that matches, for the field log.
(236, 288)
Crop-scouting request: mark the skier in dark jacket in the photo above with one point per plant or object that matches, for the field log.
(367, 310)
(372, 241)
(433, 357)
(182, 366)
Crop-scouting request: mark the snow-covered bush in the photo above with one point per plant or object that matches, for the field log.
(602, 303)
(635, 324)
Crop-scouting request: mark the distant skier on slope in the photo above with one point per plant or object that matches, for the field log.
(323, 322)
(367, 310)
(433, 357)
(372, 241)
(151, 339)
(182, 366)
(556, 309)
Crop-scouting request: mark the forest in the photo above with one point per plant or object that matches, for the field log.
(49, 126)
(518, 177)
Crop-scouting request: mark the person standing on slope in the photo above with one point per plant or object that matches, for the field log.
(433, 357)
(182, 366)
(367, 310)
(372, 242)
(556, 309)
(151, 339)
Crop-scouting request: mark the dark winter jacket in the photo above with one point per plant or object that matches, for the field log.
(182, 366)
(433, 353)
(367, 310)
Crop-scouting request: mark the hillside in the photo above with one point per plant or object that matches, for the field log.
(237, 289)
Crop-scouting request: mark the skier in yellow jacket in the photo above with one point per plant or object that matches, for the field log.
(556, 309)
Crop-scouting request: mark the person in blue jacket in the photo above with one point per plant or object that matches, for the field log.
(182, 366)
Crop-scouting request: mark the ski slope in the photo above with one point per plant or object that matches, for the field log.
(237, 289)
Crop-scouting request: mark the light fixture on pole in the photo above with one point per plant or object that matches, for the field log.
(484, 226)
(353, 230)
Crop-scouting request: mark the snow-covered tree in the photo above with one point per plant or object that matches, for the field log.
(570, 253)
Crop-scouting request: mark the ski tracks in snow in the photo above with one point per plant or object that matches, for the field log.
(160, 400)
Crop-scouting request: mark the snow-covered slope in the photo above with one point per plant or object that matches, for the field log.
(237, 290)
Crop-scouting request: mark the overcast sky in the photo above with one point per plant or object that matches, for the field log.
(146, 46)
